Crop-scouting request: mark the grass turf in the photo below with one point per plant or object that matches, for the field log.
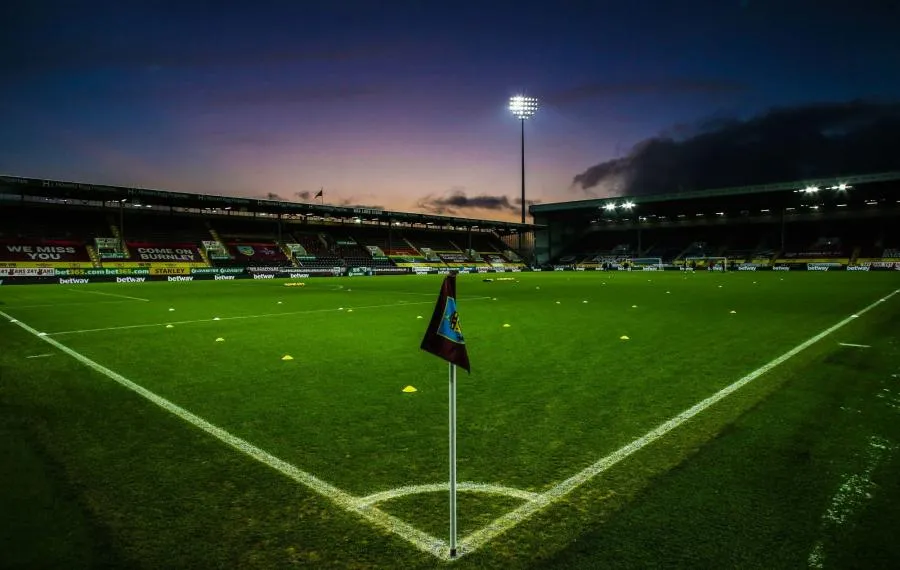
(549, 395)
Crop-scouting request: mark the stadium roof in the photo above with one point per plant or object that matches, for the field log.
(597, 203)
(61, 190)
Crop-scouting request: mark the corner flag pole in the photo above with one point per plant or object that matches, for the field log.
(452, 460)
(444, 339)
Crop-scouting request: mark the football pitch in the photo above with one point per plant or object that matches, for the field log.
(610, 420)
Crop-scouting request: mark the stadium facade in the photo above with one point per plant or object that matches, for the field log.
(848, 222)
(66, 232)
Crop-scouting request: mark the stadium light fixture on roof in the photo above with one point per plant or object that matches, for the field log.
(523, 107)
(609, 206)
(840, 187)
(811, 189)
(628, 205)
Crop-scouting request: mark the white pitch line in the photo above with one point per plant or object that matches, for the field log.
(239, 317)
(502, 524)
(464, 486)
(855, 345)
(108, 294)
(854, 492)
(54, 305)
(421, 540)
(40, 355)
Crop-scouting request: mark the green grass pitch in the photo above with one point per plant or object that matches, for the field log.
(95, 475)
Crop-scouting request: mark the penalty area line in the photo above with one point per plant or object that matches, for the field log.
(421, 540)
(511, 519)
(242, 317)
(109, 294)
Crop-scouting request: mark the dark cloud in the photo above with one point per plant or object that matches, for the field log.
(456, 199)
(781, 145)
(666, 87)
(305, 195)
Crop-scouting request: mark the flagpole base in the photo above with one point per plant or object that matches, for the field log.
(452, 553)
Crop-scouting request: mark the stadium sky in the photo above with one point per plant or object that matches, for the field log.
(402, 103)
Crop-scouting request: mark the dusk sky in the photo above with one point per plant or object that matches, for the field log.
(403, 104)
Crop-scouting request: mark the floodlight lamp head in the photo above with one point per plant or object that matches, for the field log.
(628, 205)
(609, 206)
(811, 189)
(523, 107)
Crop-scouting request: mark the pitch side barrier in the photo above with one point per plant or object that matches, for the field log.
(143, 275)
(48, 276)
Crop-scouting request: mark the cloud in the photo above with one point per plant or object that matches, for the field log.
(667, 87)
(456, 199)
(305, 195)
(783, 144)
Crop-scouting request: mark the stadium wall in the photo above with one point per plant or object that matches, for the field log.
(41, 276)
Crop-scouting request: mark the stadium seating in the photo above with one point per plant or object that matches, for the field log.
(38, 223)
(162, 228)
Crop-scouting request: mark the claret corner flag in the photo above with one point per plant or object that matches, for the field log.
(444, 337)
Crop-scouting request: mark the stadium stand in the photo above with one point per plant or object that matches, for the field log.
(39, 223)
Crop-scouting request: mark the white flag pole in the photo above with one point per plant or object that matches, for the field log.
(452, 460)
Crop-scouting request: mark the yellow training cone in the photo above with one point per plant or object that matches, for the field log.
(623, 337)
(506, 325)
(287, 357)
(410, 389)
(170, 326)
(733, 312)
(634, 306)
(419, 317)
(220, 339)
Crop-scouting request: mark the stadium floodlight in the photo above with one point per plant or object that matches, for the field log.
(628, 205)
(842, 187)
(523, 108)
(609, 206)
(811, 189)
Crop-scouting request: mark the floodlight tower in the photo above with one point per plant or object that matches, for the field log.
(523, 108)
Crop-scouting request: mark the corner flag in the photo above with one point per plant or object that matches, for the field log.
(444, 338)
